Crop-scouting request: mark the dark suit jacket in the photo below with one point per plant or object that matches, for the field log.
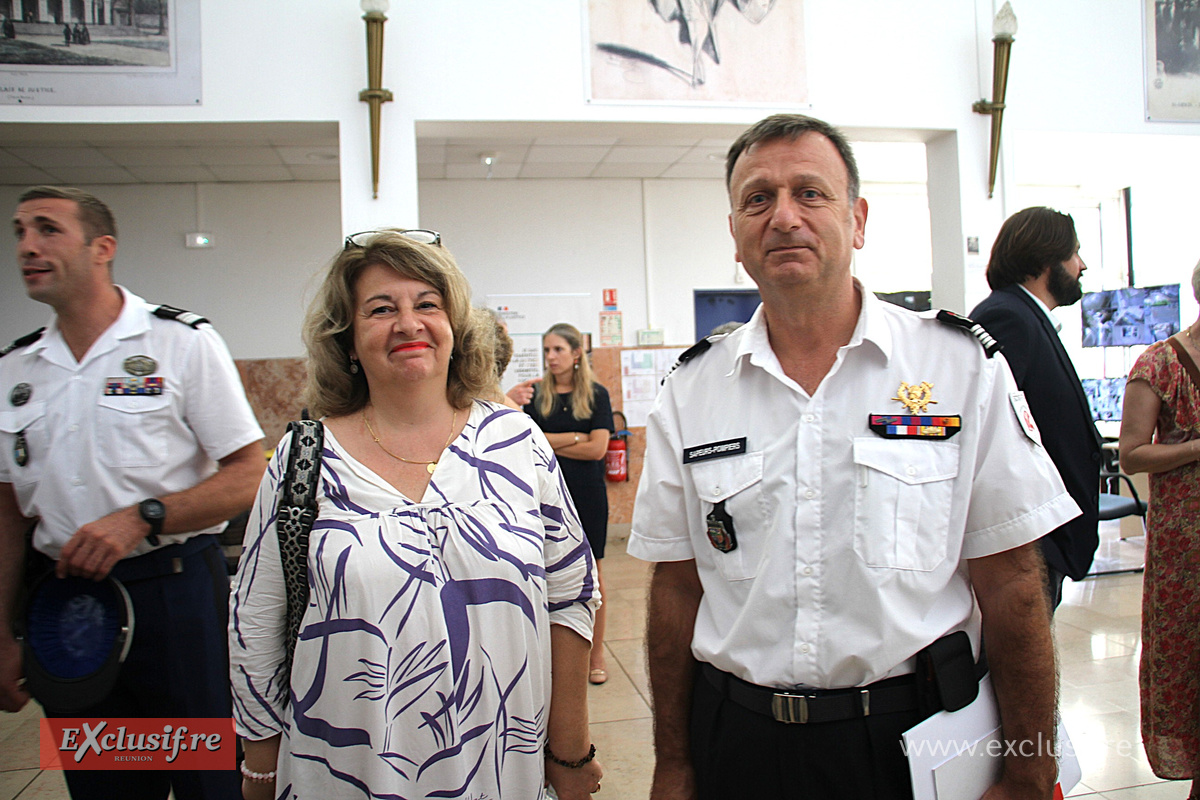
(1045, 373)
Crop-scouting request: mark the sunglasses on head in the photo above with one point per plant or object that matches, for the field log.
(418, 235)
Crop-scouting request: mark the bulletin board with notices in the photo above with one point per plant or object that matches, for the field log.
(642, 373)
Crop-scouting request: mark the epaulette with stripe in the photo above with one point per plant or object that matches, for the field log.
(27, 339)
(179, 315)
(990, 345)
(698, 349)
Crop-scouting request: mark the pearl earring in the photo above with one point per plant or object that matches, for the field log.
(353, 366)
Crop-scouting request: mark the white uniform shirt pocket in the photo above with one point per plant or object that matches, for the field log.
(737, 481)
(133, 430)
(28, 421)
(902, 499)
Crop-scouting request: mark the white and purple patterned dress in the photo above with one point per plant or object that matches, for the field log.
(422, 669)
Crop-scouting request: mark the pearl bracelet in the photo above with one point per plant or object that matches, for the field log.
(257, 777)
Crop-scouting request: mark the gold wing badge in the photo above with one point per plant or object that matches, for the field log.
(916, 398)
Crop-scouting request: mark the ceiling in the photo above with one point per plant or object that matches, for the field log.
(112, 153)
(75, 154)
(522, 150)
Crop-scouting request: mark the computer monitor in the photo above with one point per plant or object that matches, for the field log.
(1105, 396)
(1137, 315)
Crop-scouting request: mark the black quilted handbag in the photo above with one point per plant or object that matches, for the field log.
(296, 514)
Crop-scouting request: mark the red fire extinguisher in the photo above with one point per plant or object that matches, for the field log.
(616, 460)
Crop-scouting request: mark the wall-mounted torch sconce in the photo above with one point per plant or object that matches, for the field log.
(1004, 28)
(375, 95)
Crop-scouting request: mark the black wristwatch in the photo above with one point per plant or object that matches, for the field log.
(154, 512)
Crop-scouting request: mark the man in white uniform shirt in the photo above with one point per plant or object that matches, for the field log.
(840, 497)
(126, 438)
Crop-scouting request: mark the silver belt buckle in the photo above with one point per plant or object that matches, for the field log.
(790, 708)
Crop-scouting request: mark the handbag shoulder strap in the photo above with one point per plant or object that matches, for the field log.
(296, 514)
(1185, 359)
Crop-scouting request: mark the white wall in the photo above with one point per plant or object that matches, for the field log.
(899, 70)
(253, 285)
(654, 241)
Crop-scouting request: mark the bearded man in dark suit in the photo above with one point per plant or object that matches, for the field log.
(1034, 268)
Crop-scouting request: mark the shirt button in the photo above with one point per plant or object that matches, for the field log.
(77, 481)
(808, 570)
(911, 470)
(810, 417)
(803, 648)
(716, 490)
(809, 494)
(73, 428)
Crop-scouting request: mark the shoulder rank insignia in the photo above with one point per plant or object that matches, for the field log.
(990, 345)
(179, 315)
(24, 341)
(698, 349)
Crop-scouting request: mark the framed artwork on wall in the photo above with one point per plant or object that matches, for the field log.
(684, 51)
(100, 52)
(1172, 57)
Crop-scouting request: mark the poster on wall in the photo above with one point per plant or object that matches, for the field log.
(642, 374)
(100, 52)
(696, 51)
(528, 316)
(1172, 45)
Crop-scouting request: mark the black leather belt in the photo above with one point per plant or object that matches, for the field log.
(888, 696)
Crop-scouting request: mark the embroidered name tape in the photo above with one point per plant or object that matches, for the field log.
(914, 426)
(705, 452)
(123, 386)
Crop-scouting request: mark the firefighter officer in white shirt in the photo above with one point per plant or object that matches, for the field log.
(842, 499)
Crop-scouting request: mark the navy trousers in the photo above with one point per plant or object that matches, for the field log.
(178, 666)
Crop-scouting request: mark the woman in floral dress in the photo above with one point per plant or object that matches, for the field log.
(1160, 434)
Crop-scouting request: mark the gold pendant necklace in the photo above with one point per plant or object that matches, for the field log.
(430, 466)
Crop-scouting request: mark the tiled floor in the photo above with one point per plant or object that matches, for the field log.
(1098, 638)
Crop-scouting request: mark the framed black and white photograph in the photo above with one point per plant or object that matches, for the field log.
(100, 52)
(697, 51)
(1172, 35)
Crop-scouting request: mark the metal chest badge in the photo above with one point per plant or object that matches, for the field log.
(917, 397)
(721, 534)
(916, 424)
(20, 394)
(140, 365)
(21, 450)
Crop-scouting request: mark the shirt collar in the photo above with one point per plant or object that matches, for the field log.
(1055, 321)
(133, 320)
(871, 327)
